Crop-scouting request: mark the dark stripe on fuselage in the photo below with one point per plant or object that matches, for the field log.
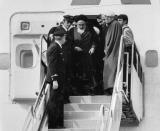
(85, 2)
(135, 1)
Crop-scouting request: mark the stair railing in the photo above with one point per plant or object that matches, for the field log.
(105, 122)
(37, 111)
(100, 125)
(115, 111)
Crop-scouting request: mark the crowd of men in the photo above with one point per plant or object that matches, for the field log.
(82, 59)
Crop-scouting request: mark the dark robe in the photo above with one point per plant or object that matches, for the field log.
(112, 43)
(98, 59)
(83, 66)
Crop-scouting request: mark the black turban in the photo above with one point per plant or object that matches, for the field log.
(81, 17)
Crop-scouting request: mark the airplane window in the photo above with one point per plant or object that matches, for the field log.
(135, 2)
(85, 2)
(24, 56)
(151, 59)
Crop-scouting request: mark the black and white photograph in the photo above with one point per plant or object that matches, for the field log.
(79, 65)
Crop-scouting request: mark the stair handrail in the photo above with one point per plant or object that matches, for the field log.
(43, 84)
(31, 116)
(117, 88)
(105, 125)
(120, 58)
(39, 96)
(32, 111)
(101, 118)
(119, 67)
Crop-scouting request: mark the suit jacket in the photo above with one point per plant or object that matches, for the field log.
(67, 47)
(56, 65)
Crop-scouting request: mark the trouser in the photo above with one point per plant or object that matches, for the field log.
(55, 108)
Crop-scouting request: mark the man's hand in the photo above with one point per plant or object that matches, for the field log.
(91, 51)
(78, 49)
(55, 85)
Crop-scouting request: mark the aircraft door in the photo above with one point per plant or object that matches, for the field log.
(26, 30)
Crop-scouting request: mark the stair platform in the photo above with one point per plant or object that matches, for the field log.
(81, 123)
(84, 107)
(83, 113)
(73, 129)
(90, 99)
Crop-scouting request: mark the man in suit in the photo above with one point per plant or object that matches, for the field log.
(67, 48)
(56, 77)
(99, 53)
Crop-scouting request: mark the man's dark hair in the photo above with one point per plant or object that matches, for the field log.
(81, 17)
(99, 16)
(68, 18)
(123, 17)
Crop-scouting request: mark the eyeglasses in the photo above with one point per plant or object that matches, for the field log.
(109, 17)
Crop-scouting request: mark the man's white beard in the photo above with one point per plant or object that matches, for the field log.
(80, 30)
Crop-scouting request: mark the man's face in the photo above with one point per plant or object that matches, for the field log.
(63, 39)
(81, 24)
(103, 18)
(109, 19)
(51, 37)
(66, 24)
(99, 20)
(121, 21)
(74, 24)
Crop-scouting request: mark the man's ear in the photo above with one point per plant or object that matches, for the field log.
(124, 21)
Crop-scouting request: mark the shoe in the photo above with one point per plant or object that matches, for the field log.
(66, 101)
(108, 91)
(60, 127)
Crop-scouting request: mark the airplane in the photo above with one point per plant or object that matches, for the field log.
(24, 27)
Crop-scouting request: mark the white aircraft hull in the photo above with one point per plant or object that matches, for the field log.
(144, 21)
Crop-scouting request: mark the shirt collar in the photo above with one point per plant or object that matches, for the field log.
(65, 28)
(58, 43)
(124, 26)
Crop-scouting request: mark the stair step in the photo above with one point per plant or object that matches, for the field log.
(81, 115)
(73, 129)
(84, 107)
(90, 99)
(82, 123)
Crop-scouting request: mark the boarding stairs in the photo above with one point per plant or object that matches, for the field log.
(85, 113)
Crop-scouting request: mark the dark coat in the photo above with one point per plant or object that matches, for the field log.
(82, 61)
(55, 71)
(56, 64)
(51, 31)
(84, 40)
(112, 43)
(67, 47)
